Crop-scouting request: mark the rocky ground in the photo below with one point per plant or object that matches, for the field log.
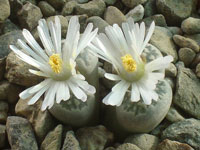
(177, 33)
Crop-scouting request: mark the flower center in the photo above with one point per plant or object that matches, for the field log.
(56, 63)
(129, 63)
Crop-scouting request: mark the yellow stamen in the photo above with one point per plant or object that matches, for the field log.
(56, 63)
(129, 63)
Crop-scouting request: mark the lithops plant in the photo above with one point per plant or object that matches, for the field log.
(75, 112)
(63, 75)
(140, 94)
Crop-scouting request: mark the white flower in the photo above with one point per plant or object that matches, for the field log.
(55, 62)
(123, 49)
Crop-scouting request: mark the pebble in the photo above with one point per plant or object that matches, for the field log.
(82, 1)
(20, 134)
(162, 39)
(4, 10)
(175, 30)
(198, 70)
(70, 142)
(3, 111)
(5, 94)
(150, 8)
(94, 138)
(41, 121)
(29, 16)
(128, 146)
(53, 139)
(57, 4)
(8, 39)
(46, 8)
(159, 20)
(191, 25)
(2, 135)
(175, 11)
(68, 8)
(92, 8)
(136, 13)
(113, 15)
(17, 72)
(186, 55)
(187, 94)
(173, 145)
(185, 131)
(182, 42)
(2, 67)
(143, 141)
(173, 115)
(8, 26)
(195, 37)
(63, 22)
(110, 2)
(171, 71)
(98, 22)
(133, 3)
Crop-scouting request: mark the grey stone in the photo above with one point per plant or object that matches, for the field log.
(17, 72)
(143, 141)
(195, 61)
(94, 138)
(41, 121)
(71, 143)
(29, 16)
(4, 10)
(20, 134)
(110, 148)
(6, 94)
(198, 70)
(159, 20)
(2, 135)
(15, 6)
(136, 13)
(98, 22)
(175, 11)
(8, 26)
(173, 145)
(113, 15)
(187, 95)
(171, 70)
(191, 25)
(170, 80)
(132, 3)
(6, 40)
(25, 1)
(63, 22)
(110, 2)
(82, 1)
(57, 4)
(186, 55)
(175, 30)
(2, 67)
(53, 139)
(128, 146)
(46, 8)
(186, 131)
(150, 8)
(162, 39)
(195, 37)
(173, 115)
(68, 8)
(3, 111)
(182, 41)
(92, 8)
